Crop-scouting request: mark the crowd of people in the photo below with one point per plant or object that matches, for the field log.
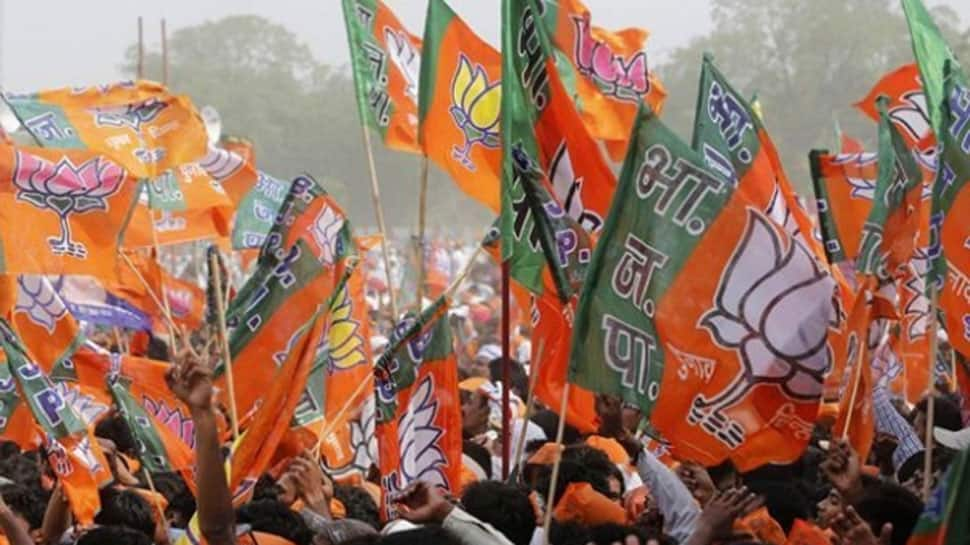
(610, 486)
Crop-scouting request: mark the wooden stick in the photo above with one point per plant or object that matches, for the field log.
(931, 402)
(164, 54)
(329, 427)
(121, 345)
(141, 49)
(224, 338)
(529, 405)
(158, 504)
(547, 518)
(375, 193)
(506, 368)
(168, 311)
(422, 220)
(155, 298)
(856, 377)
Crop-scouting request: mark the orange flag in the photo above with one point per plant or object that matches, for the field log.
(611, 74)
(856, 419)
(138, 124)
(185, 204)
(186, 301)
(234, 167)
(41, 319)
(76, 204)
(459, 104)
(907, 106)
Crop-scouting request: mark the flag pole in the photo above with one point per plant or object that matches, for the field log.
(156, 498)
(375, 194)
(164, 54)
(158, 255)
(856, 378)
(360, 387)
(162, 307)
(141, 49)
(422, 220)
(931, 402)
(224, 338)
(529, 404)
(560, 429)
(506, 369)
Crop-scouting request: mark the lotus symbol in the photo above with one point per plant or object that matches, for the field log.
(66, 188)
(774, 306)
(475, 108)
(38, 299)
(325, 230)
(345, 343)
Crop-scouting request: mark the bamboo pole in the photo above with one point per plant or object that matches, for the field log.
(529, 405)
(422, 222)
(375, 193)
(931, 402)
(506, 369)
(141, 49)
(856, 377)
(151, 293)
(164, 54)
(224, 342)
(156, 498)
(547, 516)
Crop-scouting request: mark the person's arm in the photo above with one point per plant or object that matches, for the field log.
(888, 420)
(422, 503)
(675, 502)
(12, 528)
(191, 382)
(57, 517)
(716, 521)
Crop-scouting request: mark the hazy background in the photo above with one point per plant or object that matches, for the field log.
(280, 77)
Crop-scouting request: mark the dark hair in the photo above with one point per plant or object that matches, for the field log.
(505, 507)
(480, 454)
(157, 349)
(21, 469)
(274, 517)
(517, 376)
(427, 535)
(883, 502)
(8, 449)
(946, 412)
(115, 428)
(721, 472)
(358, 504)
(181, 502)
(266, 488)
(115, 535)
(549, 422)
(569, 533)
(572, 471)
(25, 502)
(611, 533)
(126, 508)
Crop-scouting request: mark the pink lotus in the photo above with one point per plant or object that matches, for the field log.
(66, 189)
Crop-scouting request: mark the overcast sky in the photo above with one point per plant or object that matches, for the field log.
(52, 43)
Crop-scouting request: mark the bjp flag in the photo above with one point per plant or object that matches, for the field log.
(844, 188)
(43, 321)
(704, 356)
(182, 205)
(76, 204)
(385, 58)
(234, 169)
(907, 106)
(139, 124)
(459, 105)
(609, 72)
(186, 301)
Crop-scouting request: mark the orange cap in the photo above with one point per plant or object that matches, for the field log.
(586, 506)
(613, 449)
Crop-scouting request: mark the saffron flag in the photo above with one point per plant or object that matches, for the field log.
(386, 60)
(77, 205)
(235, 172)
(182, 205)
(704, 356)
(890, 232)
(186, 301)
(459, 106)
(946, 515)
(608, 73)
(734, 142)
(418, 408)
(907, 107)
(139, 124)
(72, 453)
(42, 320)
(300, 266)
(844, 188)
(856, 419)
(252, 455)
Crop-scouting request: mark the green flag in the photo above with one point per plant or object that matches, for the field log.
(536, 232)
(889, 234)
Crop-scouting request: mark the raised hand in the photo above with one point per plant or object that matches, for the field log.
(312, 485)
(843, 469)
(423, 503)
(852, 529)
(191, 381)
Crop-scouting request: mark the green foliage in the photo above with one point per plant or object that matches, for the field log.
(807, 61)
(302, 117)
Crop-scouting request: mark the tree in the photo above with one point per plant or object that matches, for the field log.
(807, 61)
(301, 116)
